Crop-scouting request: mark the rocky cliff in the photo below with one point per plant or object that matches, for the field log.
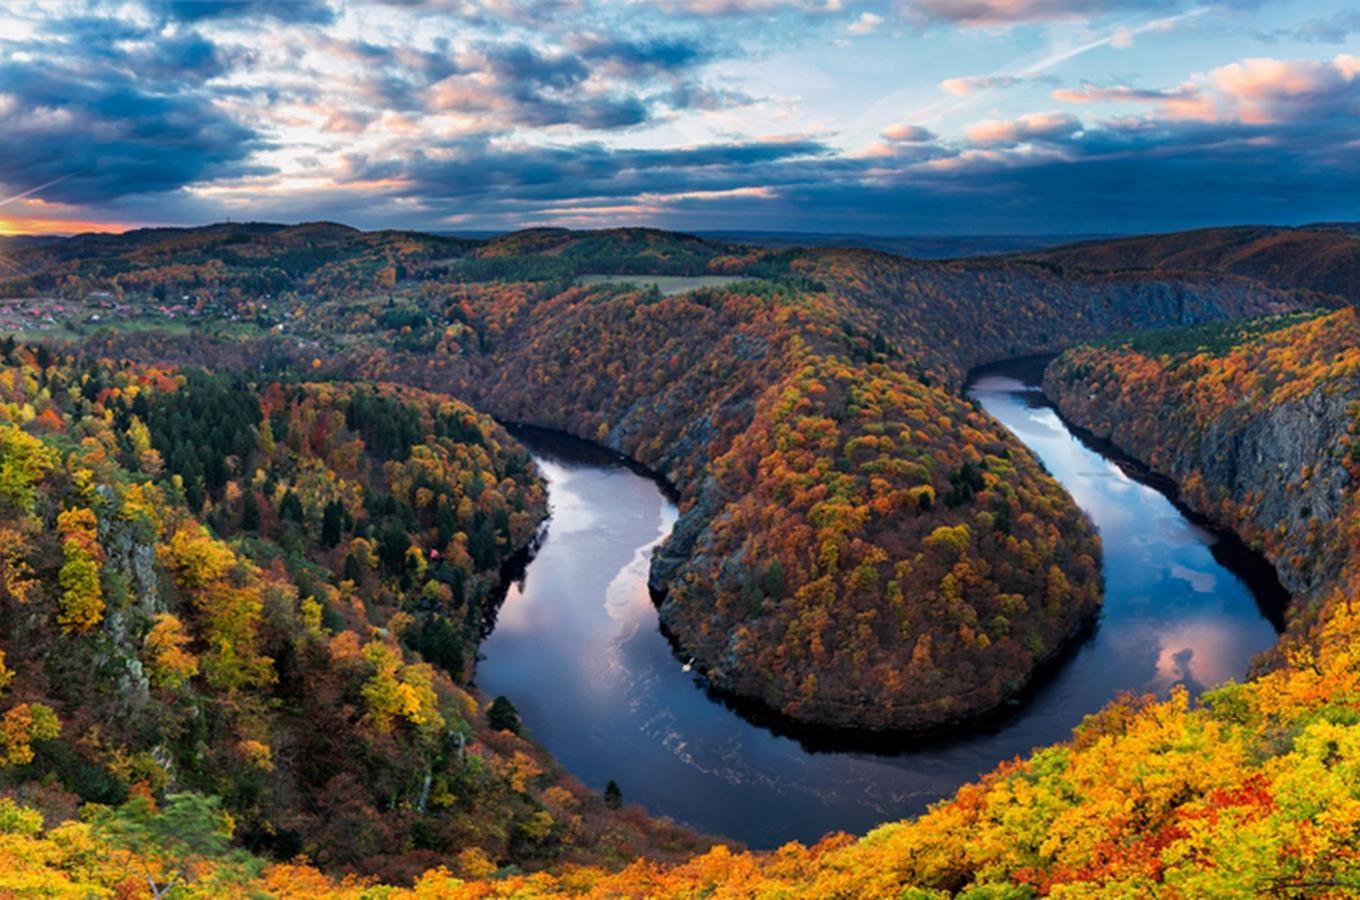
(1255, 423)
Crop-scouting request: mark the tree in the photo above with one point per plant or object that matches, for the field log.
(81, 605)
(22, 725)
(291, 507)
(24, 460)
(613, 795)
(332, 524)
(250, 511)
(169, 662)
(503, 716)
(169, 847)
(774, 582)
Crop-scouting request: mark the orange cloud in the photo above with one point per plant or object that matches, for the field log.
(11, 226)
(1037, 126)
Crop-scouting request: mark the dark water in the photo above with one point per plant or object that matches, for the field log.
(576, 647)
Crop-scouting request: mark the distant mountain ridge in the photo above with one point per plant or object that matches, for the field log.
(1324, 258)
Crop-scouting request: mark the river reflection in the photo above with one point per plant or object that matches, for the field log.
(577, 648)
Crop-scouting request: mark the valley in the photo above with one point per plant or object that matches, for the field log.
(577, 647)
(884, 581)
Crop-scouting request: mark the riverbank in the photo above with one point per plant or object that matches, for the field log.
(600, 687)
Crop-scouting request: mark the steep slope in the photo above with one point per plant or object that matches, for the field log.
(789, 389)
(859, 547)
(1256, 422)
(307, 659)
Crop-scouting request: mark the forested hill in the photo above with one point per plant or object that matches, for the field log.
(1324, 258)
(859, 546)
(269, 594)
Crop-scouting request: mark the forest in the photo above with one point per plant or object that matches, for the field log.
(260, 549)
(742, 397)
(271, 594)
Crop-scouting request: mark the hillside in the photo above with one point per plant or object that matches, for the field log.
(858, 547)
(964, 564)
(913, 246)
(272, 594)
(1256, 422)
(1320, 258)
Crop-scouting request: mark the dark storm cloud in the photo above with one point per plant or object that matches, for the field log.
(104, 109)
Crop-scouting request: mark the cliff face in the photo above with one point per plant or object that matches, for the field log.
(1256, 427)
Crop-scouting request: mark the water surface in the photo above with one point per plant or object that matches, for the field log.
(577, 648)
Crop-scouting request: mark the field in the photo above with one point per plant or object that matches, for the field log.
(666, 284)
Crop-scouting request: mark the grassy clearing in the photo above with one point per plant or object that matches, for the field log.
(667, 284)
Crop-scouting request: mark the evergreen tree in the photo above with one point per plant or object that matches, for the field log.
(332, 524)
(613, 795)
(250, 511)
(291, 507)
(503, 716)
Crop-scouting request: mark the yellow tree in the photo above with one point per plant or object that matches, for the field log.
(81, 605)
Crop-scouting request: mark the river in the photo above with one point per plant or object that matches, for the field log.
(576, 647)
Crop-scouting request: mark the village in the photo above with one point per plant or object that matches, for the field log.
(63, 316)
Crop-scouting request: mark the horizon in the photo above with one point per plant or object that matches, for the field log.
(706, 233)
(872, 117)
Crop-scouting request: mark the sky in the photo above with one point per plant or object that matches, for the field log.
(906, 117)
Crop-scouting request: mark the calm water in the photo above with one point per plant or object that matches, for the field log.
(576, 647)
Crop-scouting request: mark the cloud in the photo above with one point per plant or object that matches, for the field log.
(1008, 12)
(111, 136)
(690, 95)
(972, 84)
(1185, 102)
(491, 12)
(901, 132)
(476, 112)
(476, 177)
(310, 12)
(527, 86)
(1045, 127)
(105, 108)
(1120, 93)
(867, 23)
(635, 58)
(994, 12)
(749, 7)
(1265, 90)
(1334, 29)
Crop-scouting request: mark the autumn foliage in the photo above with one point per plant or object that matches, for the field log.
(270, 593)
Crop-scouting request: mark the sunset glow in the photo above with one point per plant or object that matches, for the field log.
(910, 117)
(15, 226)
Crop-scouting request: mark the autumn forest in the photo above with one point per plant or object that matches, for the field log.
(261, 505)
